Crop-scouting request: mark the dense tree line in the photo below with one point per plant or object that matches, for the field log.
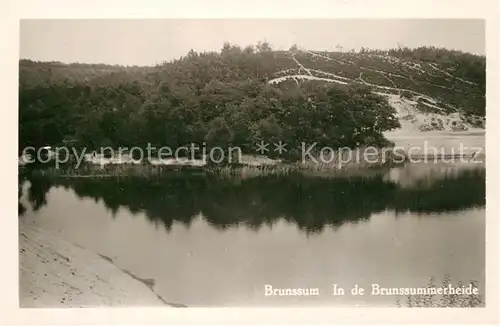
(218, 98)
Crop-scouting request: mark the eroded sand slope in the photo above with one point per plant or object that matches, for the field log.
(57, 273)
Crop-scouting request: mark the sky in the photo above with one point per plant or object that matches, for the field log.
(148, 41)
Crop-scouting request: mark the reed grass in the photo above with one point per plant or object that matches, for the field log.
(337, 164)
(443, 301)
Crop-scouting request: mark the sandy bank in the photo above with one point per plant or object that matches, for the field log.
(56, 273)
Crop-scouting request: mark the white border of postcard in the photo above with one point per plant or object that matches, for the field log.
(12, 11)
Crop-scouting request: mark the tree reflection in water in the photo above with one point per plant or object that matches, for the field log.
(312, 203)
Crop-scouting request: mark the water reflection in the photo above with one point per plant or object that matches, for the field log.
(396, 228)
(312, 203)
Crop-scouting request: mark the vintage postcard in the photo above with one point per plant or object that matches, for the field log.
(248, 163)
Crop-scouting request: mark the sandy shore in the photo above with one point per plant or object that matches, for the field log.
(55, 273)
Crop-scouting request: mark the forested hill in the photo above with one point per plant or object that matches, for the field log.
(241, 95)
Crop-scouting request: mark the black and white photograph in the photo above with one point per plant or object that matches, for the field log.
(252, 163)
(202, 168)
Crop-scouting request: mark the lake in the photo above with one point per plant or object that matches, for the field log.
(209, 241)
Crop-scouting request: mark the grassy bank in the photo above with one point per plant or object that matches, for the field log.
(335, 163)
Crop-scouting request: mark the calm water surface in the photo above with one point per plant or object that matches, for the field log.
(218, 242)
